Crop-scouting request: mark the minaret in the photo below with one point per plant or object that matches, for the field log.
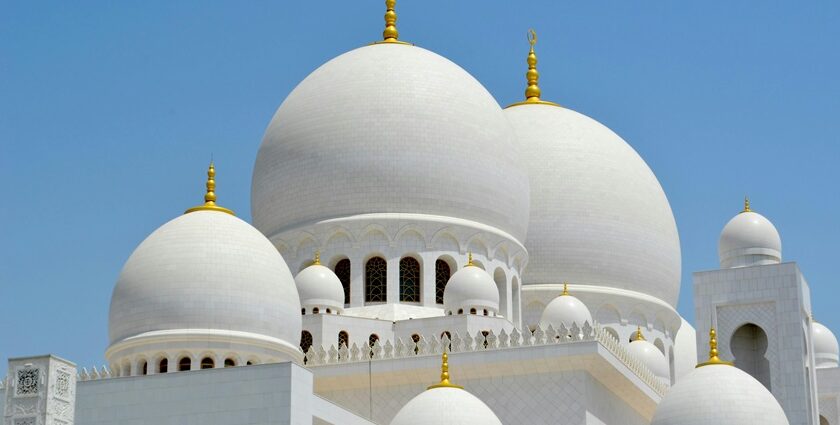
(756, 309)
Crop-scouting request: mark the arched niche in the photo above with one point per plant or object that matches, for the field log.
(749, 347)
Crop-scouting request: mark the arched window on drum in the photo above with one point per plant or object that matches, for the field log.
(342, 270)
(409, 280)
(442, 274)
(376, 280)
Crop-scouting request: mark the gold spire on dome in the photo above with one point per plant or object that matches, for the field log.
(746, 204)
(565, 289)
(533, 92)
(390, 35)
(210, 196)
(713, 352)
(317, 260)
(639, 336)
(444, 375)
(469, 260)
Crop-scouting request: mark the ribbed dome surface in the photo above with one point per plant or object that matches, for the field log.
(598, 214)
(206, 270)
(719, 394)
(389, 129)
(451, 406)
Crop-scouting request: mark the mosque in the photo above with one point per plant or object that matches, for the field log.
(468, 264)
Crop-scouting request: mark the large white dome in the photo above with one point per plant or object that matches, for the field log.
(719, 394)
(749, 239)
(598, 214)
(206, 270)
(389, 128)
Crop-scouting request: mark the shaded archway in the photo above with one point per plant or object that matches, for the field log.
(749, 347)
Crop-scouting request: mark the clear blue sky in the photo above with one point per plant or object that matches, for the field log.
(109, 112)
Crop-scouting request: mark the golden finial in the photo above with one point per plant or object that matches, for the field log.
(565, 289)
(469, 260)
(713, 351)
(746, 204)
(210, 196)
(532, 92)
(317, 260)
(390, 35)
(444, 375)
(639, 336)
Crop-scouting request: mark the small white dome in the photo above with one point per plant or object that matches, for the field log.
(825, 346)
(408, 126)
(207, 270)
(318, 286)
(471, 288)
(566, 310)
(452, 406)
(719, 394)
(648, 354)
(749, 239)
(445, 403)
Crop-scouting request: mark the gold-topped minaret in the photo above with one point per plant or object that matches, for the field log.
(533, 92)
(713, 352)
(444, 375)
(390, 35)
(210, 195)
(746, 204)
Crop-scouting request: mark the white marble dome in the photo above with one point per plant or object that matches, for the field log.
(202, 271)
(471, 288)
(825, 346)
(565, 310)
(452, 406)
(719, 394)
(318, 286)
(749, 239)
(389, 128)
(651, 357)
(598, 213)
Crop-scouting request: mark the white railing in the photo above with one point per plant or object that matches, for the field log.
(433, 346)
